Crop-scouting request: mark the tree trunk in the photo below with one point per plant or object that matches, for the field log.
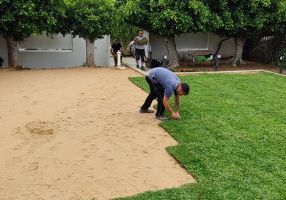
(237, 59)
(219, 45)
(89, 52)
(172, 52)
(12, 47)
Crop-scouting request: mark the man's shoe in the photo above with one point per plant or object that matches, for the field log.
(162, 117)
(146, 111)
(142, 68)
(137, 66)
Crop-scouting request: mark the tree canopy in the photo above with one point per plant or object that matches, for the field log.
(90, 19)
(168, 18)
(121, 30)
(244, 18)
(228, 18)
(247, 17)
(20, 19)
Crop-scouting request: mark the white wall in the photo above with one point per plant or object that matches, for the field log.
(158, 46)
(102, 51)
(194, 41)
(191, 41)
(147, 35)
(227, 49)
(72, 55)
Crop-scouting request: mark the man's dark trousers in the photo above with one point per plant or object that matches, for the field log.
(156, 91)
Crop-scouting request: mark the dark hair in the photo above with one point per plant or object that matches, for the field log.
(1, 61)
(155, 63)
(185, 88)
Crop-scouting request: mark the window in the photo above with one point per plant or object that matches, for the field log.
(43, 43)
(192, 41)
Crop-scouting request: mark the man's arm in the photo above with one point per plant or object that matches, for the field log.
(111, 50)
(146, 40)
(177, 103)
(168, 108)
(143, 41)
(120, 48)
(134, 40)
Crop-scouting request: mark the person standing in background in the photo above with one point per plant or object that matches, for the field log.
(132, 48)
(115, 47)
(140, 41)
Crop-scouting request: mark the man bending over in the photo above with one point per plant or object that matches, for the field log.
(163, 83)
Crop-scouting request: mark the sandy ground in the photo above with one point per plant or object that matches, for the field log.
(77, 134)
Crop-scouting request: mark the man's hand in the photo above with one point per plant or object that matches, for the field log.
(175, 115)
(178, 114)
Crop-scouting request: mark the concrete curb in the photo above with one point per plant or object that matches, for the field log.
(211, 72)
(136, 69)
(266, 71)
(221, 72)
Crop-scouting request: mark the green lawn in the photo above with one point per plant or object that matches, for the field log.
(232, 137)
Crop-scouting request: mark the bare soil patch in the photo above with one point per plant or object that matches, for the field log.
(224, 66)
(77, 134)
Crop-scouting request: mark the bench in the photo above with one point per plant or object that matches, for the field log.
(189, 56)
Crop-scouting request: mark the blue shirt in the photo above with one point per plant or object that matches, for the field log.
(166, 78)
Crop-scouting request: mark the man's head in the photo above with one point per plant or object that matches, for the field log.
(182, 89)
(140, 32)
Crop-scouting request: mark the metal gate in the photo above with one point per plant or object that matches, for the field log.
(265, 49)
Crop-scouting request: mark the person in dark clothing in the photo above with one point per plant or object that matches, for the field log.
(155, 63)
(163, 83)
(1, 61)
(115, 47)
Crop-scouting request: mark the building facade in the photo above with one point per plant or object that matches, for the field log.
(58, 51)
(192, 42)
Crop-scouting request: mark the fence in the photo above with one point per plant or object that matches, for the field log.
(265, 49)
